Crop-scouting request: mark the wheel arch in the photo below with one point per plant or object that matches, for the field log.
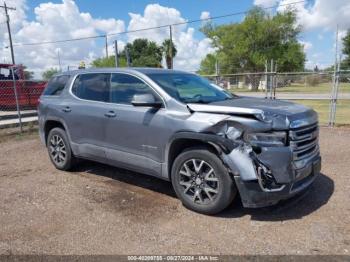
(54, 123)
(184, 140)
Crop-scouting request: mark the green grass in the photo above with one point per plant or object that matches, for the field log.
(321, 88)
(301, 88)
(13, 133)
(322, 108)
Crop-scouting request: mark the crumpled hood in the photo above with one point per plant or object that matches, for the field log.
(267, 105)
(282, 113)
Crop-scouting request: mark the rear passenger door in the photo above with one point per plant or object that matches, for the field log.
(85, 114)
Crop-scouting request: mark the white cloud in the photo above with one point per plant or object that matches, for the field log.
(205, 15)
(190, 51)
(322, 14)
(16, 16)
(57, 22)
(307, 45)
(322, 17)
(265, 3)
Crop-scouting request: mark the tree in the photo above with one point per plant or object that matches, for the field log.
(346, 51)
(245, 46)
(28, 75)
(207, 66)
(49, 73)
(144, 53)
(169, 52)
(108, 62)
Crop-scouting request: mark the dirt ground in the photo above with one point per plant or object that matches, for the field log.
(98, 209)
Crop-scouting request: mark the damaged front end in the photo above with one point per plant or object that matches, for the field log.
(265, 164)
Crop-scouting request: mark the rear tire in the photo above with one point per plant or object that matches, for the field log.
(59, 149)
(202, 182)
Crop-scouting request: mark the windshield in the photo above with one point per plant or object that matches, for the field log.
(190, 88)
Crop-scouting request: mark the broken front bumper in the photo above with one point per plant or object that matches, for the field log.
(290, 177)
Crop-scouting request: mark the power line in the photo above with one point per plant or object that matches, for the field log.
(152, 28)
(202, 20)
(61, 41)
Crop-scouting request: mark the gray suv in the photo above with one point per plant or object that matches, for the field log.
(211, 145)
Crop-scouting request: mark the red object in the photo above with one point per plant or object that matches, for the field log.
(28, 91)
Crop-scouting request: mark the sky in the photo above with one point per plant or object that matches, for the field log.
(37, 21)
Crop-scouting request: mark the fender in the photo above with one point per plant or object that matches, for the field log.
(61, 121)
(220, 143)
(226, 145)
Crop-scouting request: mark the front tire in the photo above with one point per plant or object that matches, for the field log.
(59, 149)
(202, 182)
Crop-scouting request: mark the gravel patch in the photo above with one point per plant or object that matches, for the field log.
(98, 209)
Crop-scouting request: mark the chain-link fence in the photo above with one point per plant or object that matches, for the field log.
(325, 92)
(277, 83)
(18, 101)
(318, 90)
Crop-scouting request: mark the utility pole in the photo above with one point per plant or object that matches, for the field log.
(217, 71)
(106, 45)
(9, 29)
(127, 56)
(271, 79)
(59, 59)
(171, 47)
(335, 98)
(266, 79)
(332, 102)
(275, 83)
(116, 53)
(16, 97)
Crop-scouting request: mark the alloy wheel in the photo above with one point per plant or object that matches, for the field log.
(58, 150)
(199, 181)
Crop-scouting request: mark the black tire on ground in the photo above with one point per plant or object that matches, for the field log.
(59, 149)
(201, 196)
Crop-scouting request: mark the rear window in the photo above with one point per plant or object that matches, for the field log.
(56, 85)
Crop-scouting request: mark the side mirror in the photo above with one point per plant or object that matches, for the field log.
(145, 100)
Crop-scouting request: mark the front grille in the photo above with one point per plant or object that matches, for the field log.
(304, 141)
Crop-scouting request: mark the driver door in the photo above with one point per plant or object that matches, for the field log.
(135, 135)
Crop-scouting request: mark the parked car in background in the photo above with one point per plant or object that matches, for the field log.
(28, 91)
(177, 126)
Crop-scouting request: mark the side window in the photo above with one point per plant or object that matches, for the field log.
(94, 86)
(124, 87)
(56, 85)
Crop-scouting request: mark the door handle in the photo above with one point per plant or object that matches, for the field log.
(110, 114)
(66, 109)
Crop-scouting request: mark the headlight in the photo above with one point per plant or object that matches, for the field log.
(233, 133)
(267, 139)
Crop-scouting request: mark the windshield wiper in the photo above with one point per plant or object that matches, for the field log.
(200, 101)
